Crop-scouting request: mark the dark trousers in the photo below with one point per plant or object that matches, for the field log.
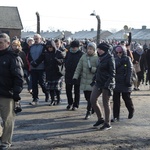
(116, 103)
(53, 93)
(76, 99)
(38, 77)
(87, 95)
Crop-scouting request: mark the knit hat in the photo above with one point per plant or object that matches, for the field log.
(92, 44)
(103, 46)
(75, 43)
(30, 39)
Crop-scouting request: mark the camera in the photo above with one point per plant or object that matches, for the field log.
(17, 108)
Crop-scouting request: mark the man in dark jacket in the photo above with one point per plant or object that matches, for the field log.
(104, 83)
(72, 58)
(11, 85)
(38, 72)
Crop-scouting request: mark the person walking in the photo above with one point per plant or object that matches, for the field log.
(123, 78)
(11, 85)
(53, 58)
(37, 73)
(71, 61)
(86, 69)
(104, 82)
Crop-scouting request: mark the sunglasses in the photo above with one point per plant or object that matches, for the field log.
(118, 52)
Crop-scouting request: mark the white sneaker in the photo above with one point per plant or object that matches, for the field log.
(34, 103)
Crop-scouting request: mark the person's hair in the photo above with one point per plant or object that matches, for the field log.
(37, 35)
(18, 43)
(5, 36)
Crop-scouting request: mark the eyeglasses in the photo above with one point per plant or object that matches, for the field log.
(118, 52)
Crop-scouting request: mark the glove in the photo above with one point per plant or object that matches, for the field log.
(74, 81)
(92, 84)
(16, 97)
(34, 64)
(59, 60)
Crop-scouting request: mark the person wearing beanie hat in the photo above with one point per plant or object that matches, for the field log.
(71, 61)
(86, 68)
(103, 46)
(30, 40)
(92, 44)
(75, 43)
(103, 83)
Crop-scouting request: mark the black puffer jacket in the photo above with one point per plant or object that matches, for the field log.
(52, 61)
(124, 73)
(105, 74)
(11, 73)
(71, 62)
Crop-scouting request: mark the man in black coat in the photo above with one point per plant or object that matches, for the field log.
(11, 85)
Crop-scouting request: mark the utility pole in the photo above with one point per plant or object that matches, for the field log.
(38, 23)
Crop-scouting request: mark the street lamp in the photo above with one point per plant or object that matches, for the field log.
(98, 26)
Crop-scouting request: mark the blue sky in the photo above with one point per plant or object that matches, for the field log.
(74, 15)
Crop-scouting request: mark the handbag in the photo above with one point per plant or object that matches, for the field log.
(137, 67)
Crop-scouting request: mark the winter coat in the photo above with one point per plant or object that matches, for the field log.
(52, 61)
(11, 73)
(105, 73)
(71, 62)
(84, 71)
(35, 51)
(124, 73)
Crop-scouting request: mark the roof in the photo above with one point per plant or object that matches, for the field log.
(85, 34)
(137, 34)
(10, 18)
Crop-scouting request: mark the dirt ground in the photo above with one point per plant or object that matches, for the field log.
(53, 128)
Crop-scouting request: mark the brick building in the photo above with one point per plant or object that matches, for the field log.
(10, 21)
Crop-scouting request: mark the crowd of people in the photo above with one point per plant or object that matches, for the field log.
(107, 69)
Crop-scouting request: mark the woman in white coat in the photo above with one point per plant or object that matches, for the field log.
(86, 69)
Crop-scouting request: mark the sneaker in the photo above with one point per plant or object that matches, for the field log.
(52, 103)
(68, 107)
(88, 115)
(34, 102)
(74, 108)
(105, 127)
(5, 146)
(115, 120)
(98, 123)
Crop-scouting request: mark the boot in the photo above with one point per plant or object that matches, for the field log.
(52, 103)
(46, 97)
(88, 115)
